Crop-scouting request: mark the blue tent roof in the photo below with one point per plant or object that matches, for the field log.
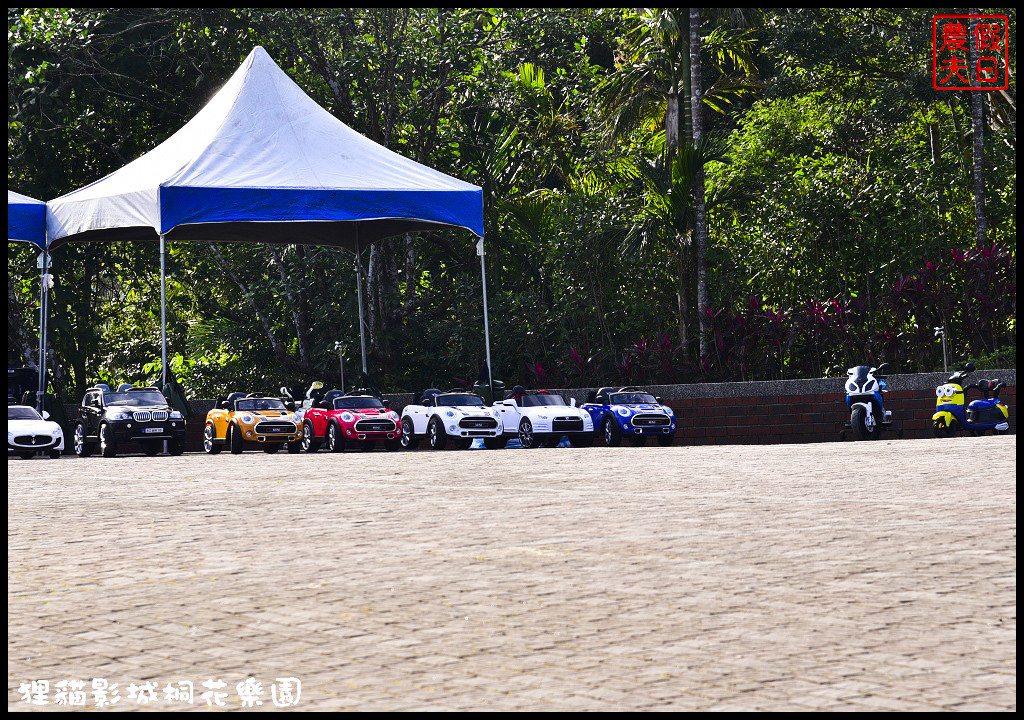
(264, 162)
(26, 219)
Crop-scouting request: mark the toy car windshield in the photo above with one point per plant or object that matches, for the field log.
(539, 400)
(22, 413)
(352, 403)
(259, 404)
(460, 400)
(134, 398)
(632, 398)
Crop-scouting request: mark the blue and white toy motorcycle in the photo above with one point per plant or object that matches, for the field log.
(864, 388)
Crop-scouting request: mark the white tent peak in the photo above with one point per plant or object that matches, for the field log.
(262, 150)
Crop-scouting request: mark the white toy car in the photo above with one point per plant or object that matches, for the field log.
(455, 418)
(28, 433)
(540, 419)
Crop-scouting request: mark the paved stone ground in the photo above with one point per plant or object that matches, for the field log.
(829, 576)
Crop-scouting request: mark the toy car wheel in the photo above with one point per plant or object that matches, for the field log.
(82, 448)
(271, 448)
(392, 445)
(335, 442)
(309, 442)
(581, 441)
(637, 440)
(293, 447)
(54, 454)
(108, 445)
(612, 433)
(496, 443)
(666, 440)
(175, 447)
(209, 436)
(151, 447)
(859, 425)
(941, 430)
(436, 435)
(235, 440)
(409, 441)
(527, 437)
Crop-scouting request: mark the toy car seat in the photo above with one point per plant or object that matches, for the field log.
(124, 387)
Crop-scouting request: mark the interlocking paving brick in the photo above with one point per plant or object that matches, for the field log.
(839, 576)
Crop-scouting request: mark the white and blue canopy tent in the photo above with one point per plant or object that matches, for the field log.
(26, 222)
(263, 162)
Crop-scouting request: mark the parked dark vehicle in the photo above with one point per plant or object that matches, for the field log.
(109, 419)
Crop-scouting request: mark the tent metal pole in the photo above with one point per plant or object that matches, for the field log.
(359, 297)
(163, 310)
(487, 329)
(43, 301)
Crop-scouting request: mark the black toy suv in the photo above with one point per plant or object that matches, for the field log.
(109, 419)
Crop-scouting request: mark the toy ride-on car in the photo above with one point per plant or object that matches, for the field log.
(239, 419)
(540, 419)
(28, 432)
(453, 419)
(109, 419)
(630, 413)
(356, 419)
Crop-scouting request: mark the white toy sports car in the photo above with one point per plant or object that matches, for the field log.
(541, 419)
(28, 433)
(452, 417)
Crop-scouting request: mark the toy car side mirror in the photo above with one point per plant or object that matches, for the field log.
(290, 405)
(658, 399)
(386, 403)
(46, 415)
(572, 402)
(969, 367)
(883, 369)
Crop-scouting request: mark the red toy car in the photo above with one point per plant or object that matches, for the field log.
(339, 421)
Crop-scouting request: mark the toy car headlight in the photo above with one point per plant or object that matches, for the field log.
(55, 432)
(247, 418)
(668, 410)
(871, 386)
(851, 386)
(449, 413)
(347, 417)
(622, 411)
(120, 415)
(175, 415)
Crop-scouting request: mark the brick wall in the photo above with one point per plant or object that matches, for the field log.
(798, 418)
(782, 411)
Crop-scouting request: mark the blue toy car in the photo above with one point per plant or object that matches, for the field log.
(630, 413)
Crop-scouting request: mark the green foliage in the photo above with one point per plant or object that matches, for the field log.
(833, 172)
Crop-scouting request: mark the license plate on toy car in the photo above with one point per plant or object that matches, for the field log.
(152, 430)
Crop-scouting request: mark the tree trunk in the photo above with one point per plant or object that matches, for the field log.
(301, 334)
(372, 293)
(681, 293)
(977, 121)
(700, 217)
(411, 281)
(672, 124)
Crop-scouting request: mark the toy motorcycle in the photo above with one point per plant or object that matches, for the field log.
(988, 413)
(864, 388)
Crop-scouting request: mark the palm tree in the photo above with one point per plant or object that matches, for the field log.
(978, 125)
(652, 91)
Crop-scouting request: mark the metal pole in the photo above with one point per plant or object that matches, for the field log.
(341, 362)
(945, 359)
(487, 329)
(43, 301)
(163, 310)
(359, 295)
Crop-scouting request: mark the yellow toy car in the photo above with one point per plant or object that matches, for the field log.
(239, 419)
